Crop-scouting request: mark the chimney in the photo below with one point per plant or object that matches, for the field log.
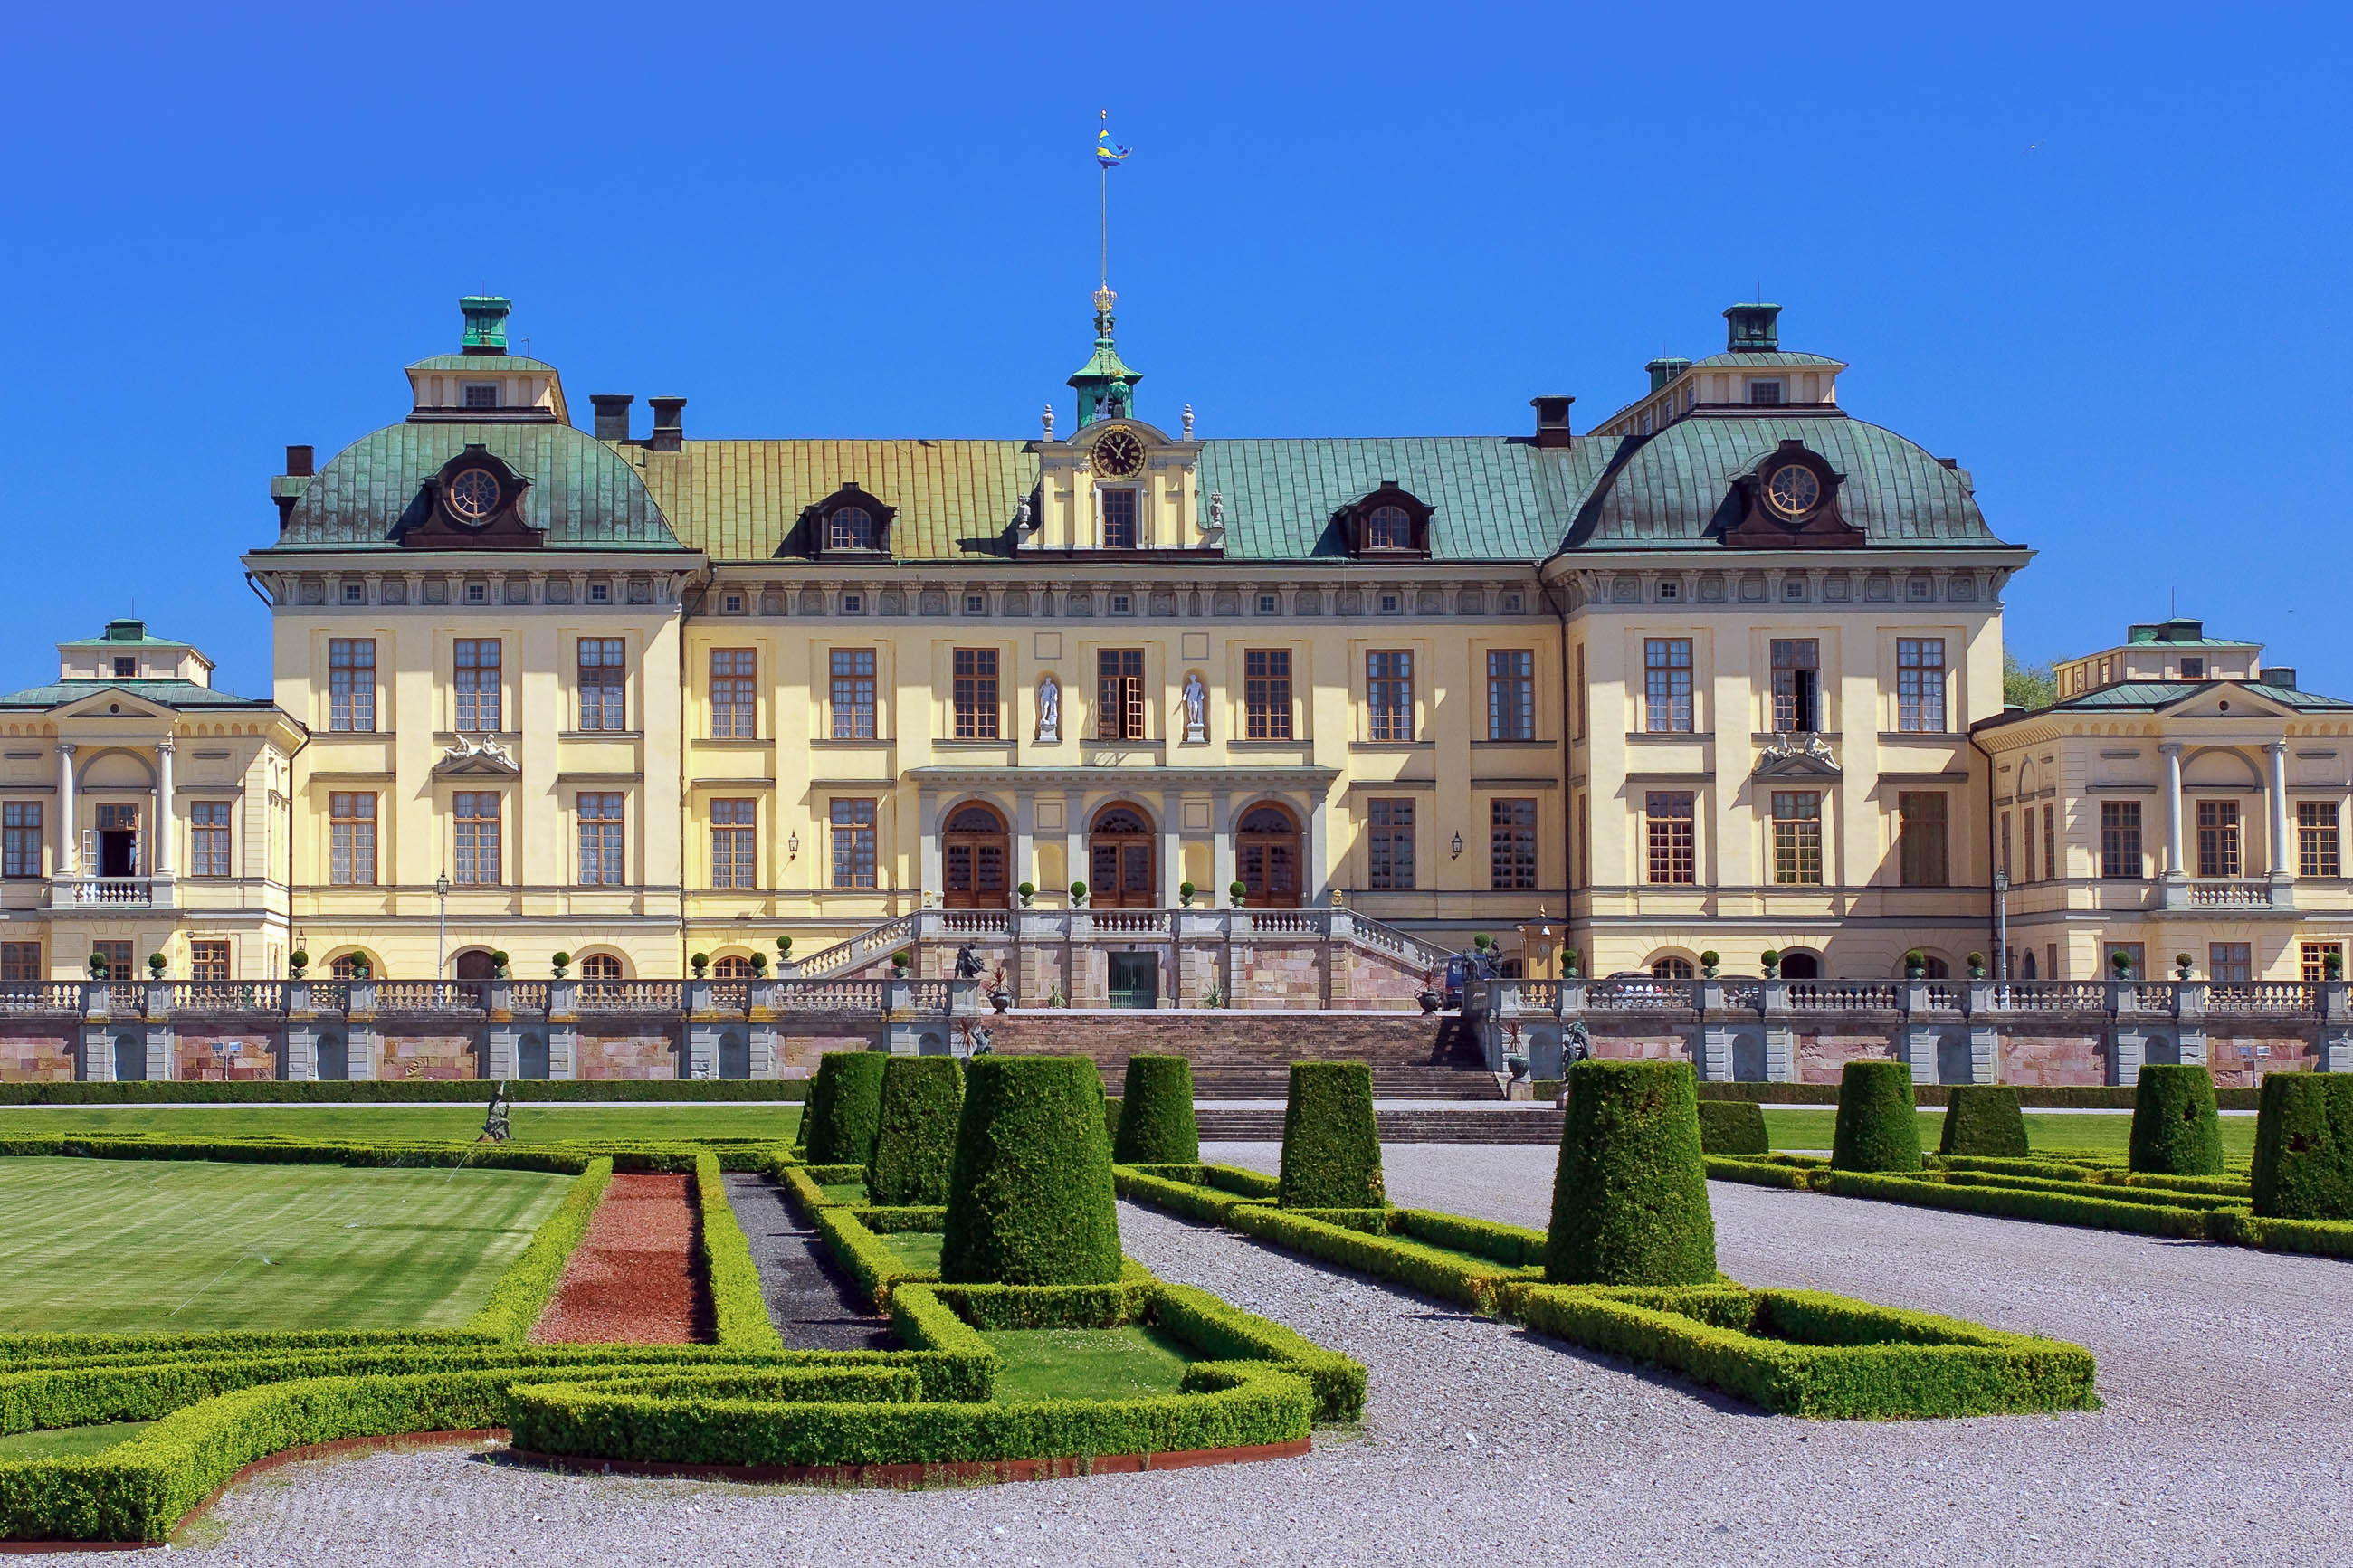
(486, 323)
(1663, 371)
(1751, 328)
(300, 461)
(2279, 675)
(669, 432)
(612, 414)
(1552, 420)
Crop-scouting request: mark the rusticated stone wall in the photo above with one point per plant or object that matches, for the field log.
(37, 1056)
(224, 1058)
(643, 1055)
(431, 1056)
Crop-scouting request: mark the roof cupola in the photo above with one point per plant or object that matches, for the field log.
(486, 323)
(1106, 387)
(1751, 330)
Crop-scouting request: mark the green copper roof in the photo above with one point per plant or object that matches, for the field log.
(2149, 696)
(174, 694)
(1772, 359)
(581, 494)
(1673, 487)
(488, 364)
(1493, 498)
(125, 634)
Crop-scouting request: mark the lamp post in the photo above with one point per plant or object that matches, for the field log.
(441, 941)
(2001, 927)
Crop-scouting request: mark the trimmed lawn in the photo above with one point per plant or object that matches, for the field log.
(531, 1123)
(2092, 1133)
(918, 1249)
(1130, 1362)
(69, 1442)
(844, 1192)
(154, 1246)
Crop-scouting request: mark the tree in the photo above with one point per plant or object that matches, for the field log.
(2027, 684)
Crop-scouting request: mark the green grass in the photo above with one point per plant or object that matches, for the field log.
(845, 1192)
(148, 1246)
(69, 1442)
(2092, 1133)
(1125, 1362)
(531, 1123)
(918, 1249)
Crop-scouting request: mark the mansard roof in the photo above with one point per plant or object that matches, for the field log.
(741, 500)
(1490, 497)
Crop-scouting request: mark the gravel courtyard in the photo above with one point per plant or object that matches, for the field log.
(2228, 1435)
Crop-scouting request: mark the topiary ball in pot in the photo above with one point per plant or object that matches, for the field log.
(1331, 1148)
(922, 1098)
(1877, 1127)
(845, 1107)
(1983, 1118)
(1630, 1195)
(1029, 1196)
(1733, 1127)
(2175, 1132)
(1155, 1120)
(2304, 1147)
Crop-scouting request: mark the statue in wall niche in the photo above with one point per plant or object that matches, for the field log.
(967, 965)
(1196, 708)
(1049, 709)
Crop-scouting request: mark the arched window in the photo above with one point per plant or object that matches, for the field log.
(1670, 969)
(975, 854)
(352, 966)
(1388, 528)
(734, 966)
(474, 964)
(1801, 966)
(1267, 854)
(1123, 853)
(849, 527)
(600, 966)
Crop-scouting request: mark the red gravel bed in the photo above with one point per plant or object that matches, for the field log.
(632, 1280)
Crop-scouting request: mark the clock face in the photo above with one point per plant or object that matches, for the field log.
(474, 494)
(1793, 489)
(1119, 455)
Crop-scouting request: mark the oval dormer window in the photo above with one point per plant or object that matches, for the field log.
(1793, 489)
(474, 494)
(849, 527)
(1388, 528)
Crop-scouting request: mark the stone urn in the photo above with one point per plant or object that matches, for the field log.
(1429, 1001)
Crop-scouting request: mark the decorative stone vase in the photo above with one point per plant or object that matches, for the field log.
(1431, 1001)
(1518, 1063)
(1000, 1001)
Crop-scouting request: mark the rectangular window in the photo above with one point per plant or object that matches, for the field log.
(2051, 865)
(976, 694)
(2005, 843)
(1798, 838)
(482, 394)
(1764, 392)
(1580, 695)
(209, 838)
(1797, 685)
(1922, 856)
(2137, 952)
(1667, 686)
(351, 684)
(2229, 963)
(731, 844)
(1511, 694)
(209, 962)
(2317, 850)
(1266, 694)
(853, 694)
(1511, 843)
(20, 963)
(1119, 519)
(1667, 816)
(1118, 694)
(2026, 830)
(474, 819)
(854, 844)
(117, 956)
(1388, 844)
(478, 708)
(2218, 838)
(2315, 956)
(1920, 685)
(603, 685)
(351, 839)
(1389, 690)
(604, 861)
(2120, 840)
(734, 705)
(20, 839)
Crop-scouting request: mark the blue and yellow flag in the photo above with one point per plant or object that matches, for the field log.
(1108, 155)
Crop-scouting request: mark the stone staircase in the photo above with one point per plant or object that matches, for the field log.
(1263, 1124)
(1215, 1079)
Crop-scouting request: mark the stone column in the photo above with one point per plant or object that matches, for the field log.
(2175, 868)
(1172, 848)
(159, 853)
(929, 867)
(68, 843)
(1221, 847)
(1318, 816)
(2283, 846)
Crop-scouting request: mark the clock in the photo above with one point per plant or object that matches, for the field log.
(472, 496)
(1119, 455)
(1793, 489)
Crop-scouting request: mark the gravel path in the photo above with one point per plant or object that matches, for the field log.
(631, 1279)
(2226, 1438)
(813, 1303)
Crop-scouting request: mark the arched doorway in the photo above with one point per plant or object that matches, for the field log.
(474, 964)
(531, 1057)
(130, 1059)
(735, 1056)
(1266, 853)
(1801, 966)
(1122, 852)
(975, 851)
(334, 1061)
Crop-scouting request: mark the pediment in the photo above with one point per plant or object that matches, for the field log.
(482, 759)
(111, 704)
(2225, 699)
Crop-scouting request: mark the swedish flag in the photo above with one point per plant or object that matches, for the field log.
(1107, 154)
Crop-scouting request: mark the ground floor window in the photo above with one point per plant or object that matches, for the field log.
(854, 844)
(1670, 969)
(2317, 956)
(1511, 843)
(2229, 963)
(1388, 844)
(116, 956)
(208, 960)
(20, 962)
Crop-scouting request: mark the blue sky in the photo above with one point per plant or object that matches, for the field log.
(2098, 254)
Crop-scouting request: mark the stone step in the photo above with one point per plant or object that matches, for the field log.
(1266, 1080)
(1498, 1126)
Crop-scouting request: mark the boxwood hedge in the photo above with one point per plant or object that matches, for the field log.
(1331, 1147)
(2175, 1131)
(1983, 1118)
(2304, 1147)
(1733, 1127)
(1876, 1128)
(845, 1107)
(914, 1144)
(1156, 1124)
(1029, 1196)
(1629, 1193)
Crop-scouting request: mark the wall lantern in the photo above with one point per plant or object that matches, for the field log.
(793, 847)
(1458, 847)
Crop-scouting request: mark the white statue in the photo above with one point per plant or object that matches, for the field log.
(1196, 706)
(1049, 709)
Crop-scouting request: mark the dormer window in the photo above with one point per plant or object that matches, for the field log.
(849, 527)
(482, 394)
(124, 668)
(1388, 528)
(2193, 669)
(849, 522)
(1389, 521)
(1119, 509)
(1767, 392)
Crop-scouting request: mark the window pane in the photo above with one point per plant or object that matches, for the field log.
(853, 694)
(2120, 840)
(1389, 843)
(974, 697)
(734, 702)
(1920, 684)
(21, 839)
(1667, 693)
(1511, 844)
(602, 684)
(1511, 695)
(2218, 838)
(1388, 688)
(1266, 694)
(2317, 849)
(351, 834)
(1119, 519)
(854, 844)
(731, 844)
(1798, 838)
(1922, 853)
(477, 669)
(1667, 825)
(603, 858)
(351, 684)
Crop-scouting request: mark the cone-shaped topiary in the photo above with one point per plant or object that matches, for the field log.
(1630, 1194)
(845, 1107)
(1878, 1129)
(1111, 1121)
(2304, 1147)
(1733, 1127)
(1156, 1118)
(1983, 1118)
(922, 1098)
(1029, 1196)
(1331, 1148)
(2175, 1132)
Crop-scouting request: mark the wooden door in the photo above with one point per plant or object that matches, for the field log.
(1123, 855)
(1267, 853)
(975, 853)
